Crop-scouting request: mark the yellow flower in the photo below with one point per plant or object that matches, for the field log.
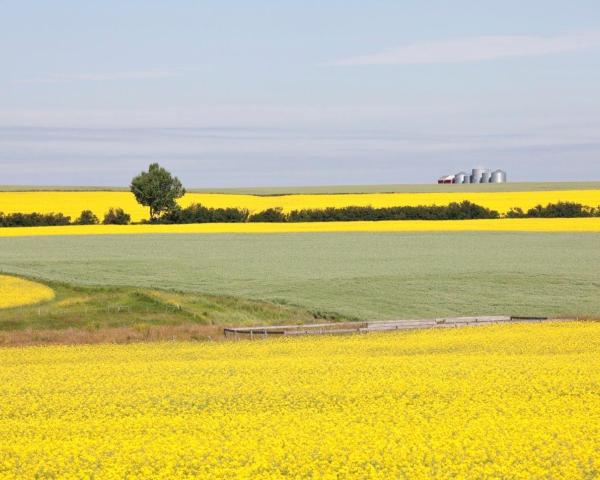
(15, 292)
(506, 401)
(504, 224)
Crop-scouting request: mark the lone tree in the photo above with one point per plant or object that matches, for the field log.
(157, 189)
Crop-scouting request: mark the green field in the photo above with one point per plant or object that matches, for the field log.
(359, 275)
(338, 189)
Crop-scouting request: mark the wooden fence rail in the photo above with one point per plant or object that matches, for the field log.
(372, 326)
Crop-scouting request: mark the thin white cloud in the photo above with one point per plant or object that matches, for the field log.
(475, 49)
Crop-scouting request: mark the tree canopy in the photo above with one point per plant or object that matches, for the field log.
(157, 189)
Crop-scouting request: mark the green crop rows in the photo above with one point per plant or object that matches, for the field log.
(359, 275)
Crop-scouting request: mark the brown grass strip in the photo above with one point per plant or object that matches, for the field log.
(115, 335)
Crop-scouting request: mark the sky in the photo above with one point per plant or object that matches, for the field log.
(298, 92)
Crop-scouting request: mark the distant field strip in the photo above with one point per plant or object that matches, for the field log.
(496, 225)
(366, 275)
(336, 189)
(72, 203)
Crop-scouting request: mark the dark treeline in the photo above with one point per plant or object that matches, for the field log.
(555, 210)
(33, 219)
(197, 213)
(454, 211)
(115, 216)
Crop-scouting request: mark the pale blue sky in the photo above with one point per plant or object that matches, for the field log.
(244, 93)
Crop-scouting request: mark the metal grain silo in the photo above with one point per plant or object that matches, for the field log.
(476, 175)
(498, 176)
(460, 177)
(486, 175)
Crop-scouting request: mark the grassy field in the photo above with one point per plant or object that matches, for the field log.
(337, 189)
(408, 188)
(363, 275)
(100, 307)
(512, 401)
(86, 314)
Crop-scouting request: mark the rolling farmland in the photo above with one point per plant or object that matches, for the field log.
(360, 275)
(515, 401)
(202, 275)
(497, 401)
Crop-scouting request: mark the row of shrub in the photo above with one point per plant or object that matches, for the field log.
(197, 213)
(555, 210)
(115, 216)
(454, 211)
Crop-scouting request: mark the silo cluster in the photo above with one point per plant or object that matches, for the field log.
(478, 175)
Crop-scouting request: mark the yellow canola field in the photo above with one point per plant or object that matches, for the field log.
(496, 225)
(15, 292)
(72, 203)
(511, 401)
